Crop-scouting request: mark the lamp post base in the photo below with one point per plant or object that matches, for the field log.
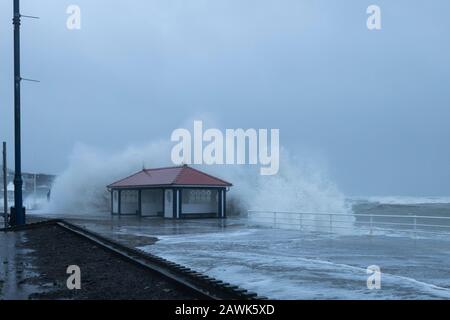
(17, 219)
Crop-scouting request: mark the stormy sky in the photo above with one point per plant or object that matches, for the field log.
(373, 105)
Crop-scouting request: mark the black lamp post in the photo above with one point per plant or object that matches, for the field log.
(18, 212)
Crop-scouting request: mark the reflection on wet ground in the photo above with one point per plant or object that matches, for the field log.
(15, 267)
(136, 231)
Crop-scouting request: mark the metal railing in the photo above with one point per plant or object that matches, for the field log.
(333, 222)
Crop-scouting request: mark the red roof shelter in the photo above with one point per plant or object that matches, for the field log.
(172, 192)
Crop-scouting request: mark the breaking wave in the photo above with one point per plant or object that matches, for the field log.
(298, 187)
(81, 188)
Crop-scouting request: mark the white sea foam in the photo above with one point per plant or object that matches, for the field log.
(280, 266)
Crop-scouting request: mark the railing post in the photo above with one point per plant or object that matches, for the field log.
(5, 187)
(301, 221)
(415, 226)
(247, 224)
(274, 219)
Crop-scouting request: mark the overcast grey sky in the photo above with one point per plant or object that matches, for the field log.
(374, 104)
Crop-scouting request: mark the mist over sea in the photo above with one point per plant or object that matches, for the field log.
(420, 206)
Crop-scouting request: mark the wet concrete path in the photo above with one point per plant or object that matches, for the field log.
(15, 267)
(34, 264)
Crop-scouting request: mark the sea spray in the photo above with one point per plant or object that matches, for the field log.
(300, 186)
(301, 190)
(81, 188)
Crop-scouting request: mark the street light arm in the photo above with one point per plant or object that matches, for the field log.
(30, 17)
(30, 80)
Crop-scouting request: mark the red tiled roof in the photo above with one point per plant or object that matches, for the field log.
(172, 176)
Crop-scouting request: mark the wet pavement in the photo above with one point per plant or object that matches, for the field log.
(34, 262)
(15, 267)
(287, 264)
(135, 231)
